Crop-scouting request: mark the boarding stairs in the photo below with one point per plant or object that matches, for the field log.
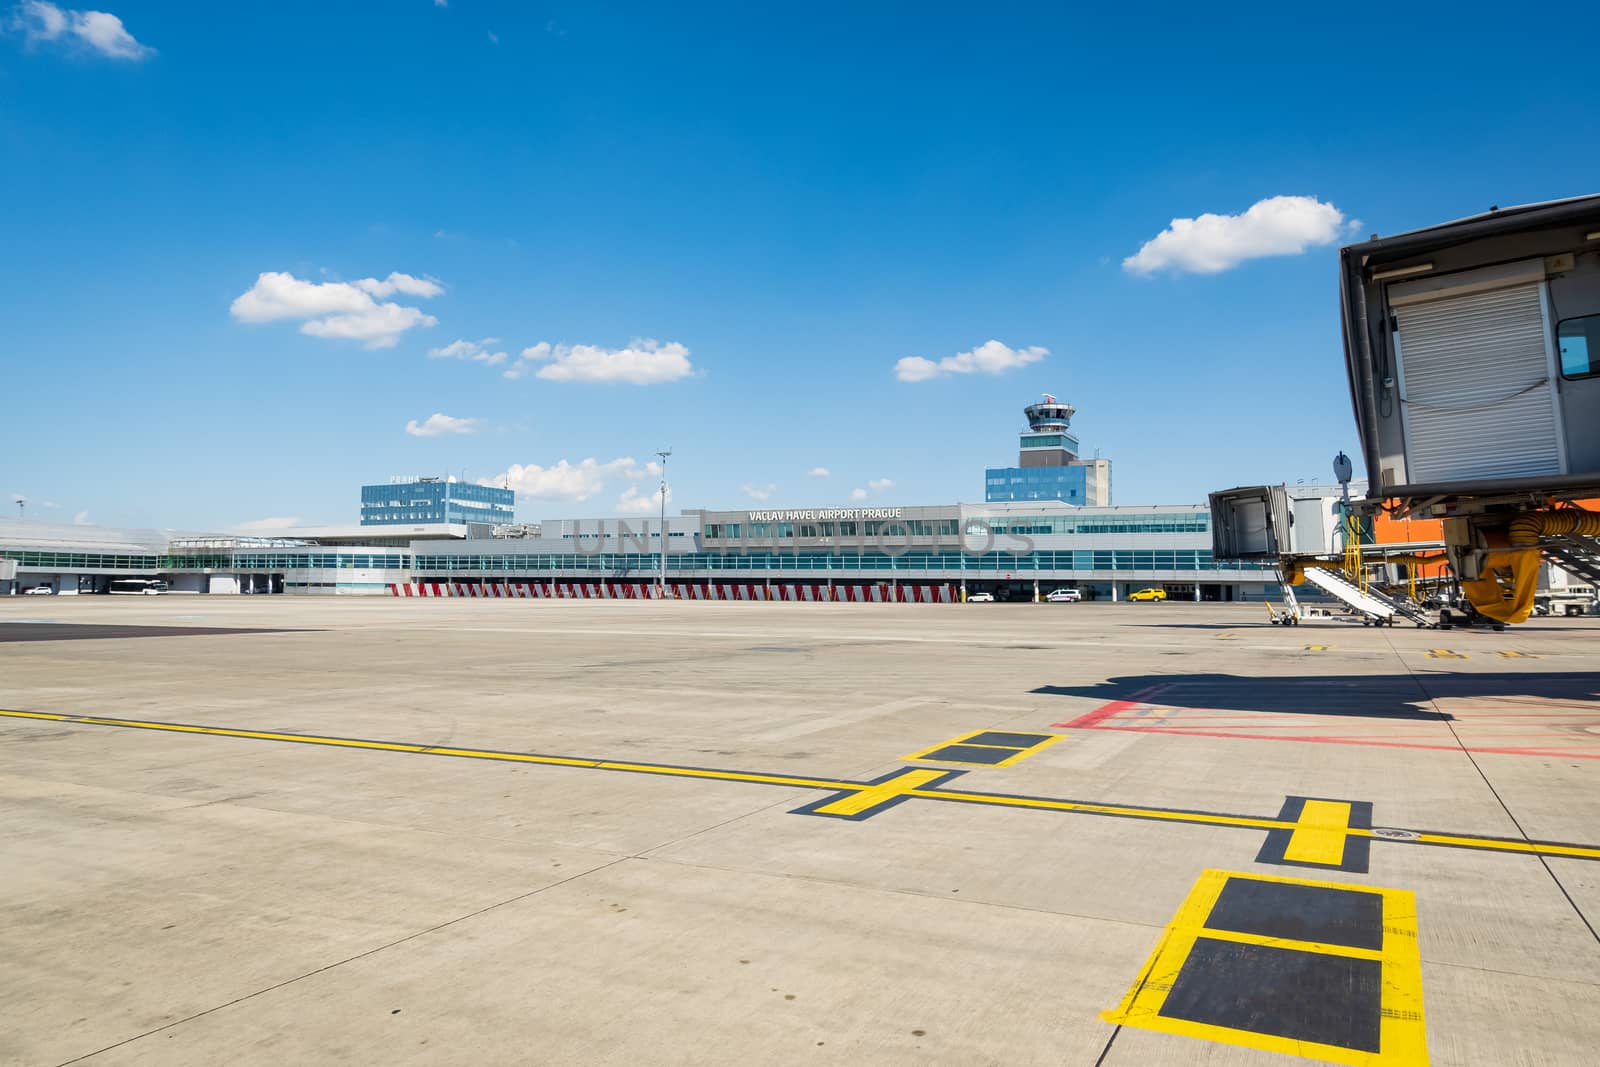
(1290, 615)
(1372, 605)
(1576, 555)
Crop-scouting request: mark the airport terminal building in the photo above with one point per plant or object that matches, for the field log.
(906, 553)
(425, 538)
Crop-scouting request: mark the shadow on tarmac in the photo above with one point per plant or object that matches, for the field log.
(1199, 625)
(1383, 696)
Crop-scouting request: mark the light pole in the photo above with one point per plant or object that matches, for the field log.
(661, 584)
(22, 504)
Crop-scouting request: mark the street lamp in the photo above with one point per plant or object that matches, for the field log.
(661, 583)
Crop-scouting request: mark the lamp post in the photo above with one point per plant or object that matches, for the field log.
(661, 583)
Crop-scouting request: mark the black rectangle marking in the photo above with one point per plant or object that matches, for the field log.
(1302, 996)
(970, 754)
(1349, 917)
(1001, 739)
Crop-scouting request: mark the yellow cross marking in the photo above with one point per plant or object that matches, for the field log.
(1318, 648)
(1320, 833)
(1445, 653)
(870, 797)
(1519, 655)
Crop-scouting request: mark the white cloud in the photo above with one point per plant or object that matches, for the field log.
(399, 283)
(99, 31)
(439, 424)
(876, 485)
(564, 481)
(818, 472)
(271, 525)
(337, 309)
(476, 351)
(81, 519)
(1276, 226)
(759, 492)
(633, 502)
(643, 362)
(991, 357)
(40, 21)
(379, 327)
(105, 34)
(638, 473)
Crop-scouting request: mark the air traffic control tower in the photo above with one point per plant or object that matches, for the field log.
(1048, 467)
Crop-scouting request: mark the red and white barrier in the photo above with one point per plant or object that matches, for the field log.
(787, 591)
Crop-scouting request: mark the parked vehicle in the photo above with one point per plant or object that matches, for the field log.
(1569, 600)
(139, 586)
(1152, 593)
(980, 598)
(38, 590)
(1063, 596)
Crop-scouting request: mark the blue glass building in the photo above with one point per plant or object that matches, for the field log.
(435, 500)
(1067, 484)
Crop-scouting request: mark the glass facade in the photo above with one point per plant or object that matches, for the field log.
(1067, 484)
(1129, 522)
(1050, 440)
(92, 561)
(218, 561)
(954, 563)
(435, 500)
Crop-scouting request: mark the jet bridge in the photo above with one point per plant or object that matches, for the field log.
(1309, 539)
(1473, 355)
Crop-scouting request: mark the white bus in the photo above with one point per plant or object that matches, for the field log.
(139, 586)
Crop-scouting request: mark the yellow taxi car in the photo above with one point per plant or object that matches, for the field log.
(1149, 594)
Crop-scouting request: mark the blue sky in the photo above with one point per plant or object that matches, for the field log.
(757, 214)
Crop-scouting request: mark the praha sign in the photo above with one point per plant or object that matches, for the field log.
(824, 514)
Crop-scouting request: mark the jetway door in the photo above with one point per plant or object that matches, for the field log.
(1251, 519)
(1477, 389)
(1251, 522)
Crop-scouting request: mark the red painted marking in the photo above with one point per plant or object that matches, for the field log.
(1090, 720)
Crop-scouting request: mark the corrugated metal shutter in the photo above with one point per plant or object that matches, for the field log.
(1478, 398)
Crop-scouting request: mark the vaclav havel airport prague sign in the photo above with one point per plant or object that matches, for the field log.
(824, 514)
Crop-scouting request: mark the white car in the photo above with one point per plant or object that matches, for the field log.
(980, 598)
(38, 590)
(1063, 596)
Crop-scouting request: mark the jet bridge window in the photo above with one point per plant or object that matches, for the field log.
(1580, 347)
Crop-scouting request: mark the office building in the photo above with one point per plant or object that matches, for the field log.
(407, 501)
